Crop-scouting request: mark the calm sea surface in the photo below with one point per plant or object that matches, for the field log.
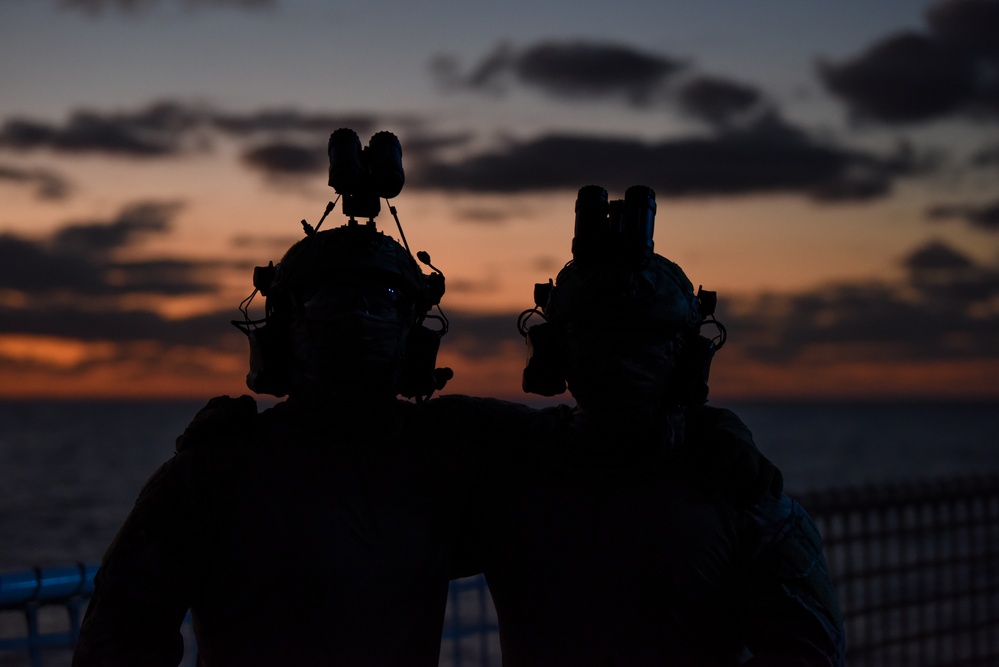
(69, 472)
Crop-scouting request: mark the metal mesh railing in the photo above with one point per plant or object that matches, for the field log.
(916, 568)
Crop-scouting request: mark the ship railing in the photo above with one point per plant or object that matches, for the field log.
(915, 565)
(916, 569)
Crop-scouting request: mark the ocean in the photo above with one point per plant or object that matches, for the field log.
(70, 471)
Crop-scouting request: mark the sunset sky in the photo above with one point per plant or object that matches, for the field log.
(830, 169)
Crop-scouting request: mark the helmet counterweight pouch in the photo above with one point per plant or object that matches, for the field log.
(692, 370)
(269, 362)
(420, 377)
(545, 370)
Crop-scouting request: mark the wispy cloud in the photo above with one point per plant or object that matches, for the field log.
(940, 312)
(584, 71)
(286, 159)
(986, 157)
(749, 149)
(717, 100)
(97, 8)
(171, 127)
(79, 286)
(83, 260)
(154, 131)
(117, 325)
(768, 156)
(48, 184)
(984, 217)
(568, 69)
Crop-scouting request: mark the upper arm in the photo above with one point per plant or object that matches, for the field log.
(146, 581)
(791, 614)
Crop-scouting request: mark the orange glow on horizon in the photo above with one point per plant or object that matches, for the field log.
(197, 373)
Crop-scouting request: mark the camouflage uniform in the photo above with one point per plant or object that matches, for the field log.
(604, 549)
(295, 538)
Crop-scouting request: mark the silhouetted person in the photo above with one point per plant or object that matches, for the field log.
(321, 531)
(642, 527)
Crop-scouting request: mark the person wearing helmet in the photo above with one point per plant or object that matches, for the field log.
(644, 528)
(321, 531)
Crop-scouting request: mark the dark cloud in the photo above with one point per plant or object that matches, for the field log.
(969, 25)
(940, 313)
(166, 277)
(425, 144)
(99, 238)
(100, 7)
(904, 78)
(985, 217)
(485, 216)
(912, 77)
(718, 101)
(154, 131)
(581, 70)
(293, 120)
(948, 280)
(118, 325)
(936, 256)
(47, 184)
(768, 156)
(570, 69)
(282, 158)
(79, 259)
(287, 159)
(986, 157)
(75, 283)
(167, 127)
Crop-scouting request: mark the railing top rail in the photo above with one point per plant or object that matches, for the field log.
(47, 584)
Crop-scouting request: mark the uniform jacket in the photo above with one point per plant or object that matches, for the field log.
(607, 546)
(295, 538)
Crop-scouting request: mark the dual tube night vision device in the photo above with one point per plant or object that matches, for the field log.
(363, 176)
(614, 233)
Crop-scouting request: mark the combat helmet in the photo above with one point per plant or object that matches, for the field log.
(357, 253)
(615, 275)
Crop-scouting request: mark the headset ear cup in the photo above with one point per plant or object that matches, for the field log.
(544, 373)
(419, 377)
(269, 362)
(692, 370)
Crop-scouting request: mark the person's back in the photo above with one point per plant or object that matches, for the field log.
(294, 539)
(626, 551)
(322, 531)
(643, 528)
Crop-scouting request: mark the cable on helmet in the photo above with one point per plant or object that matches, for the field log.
(615, 273)
(355, 251)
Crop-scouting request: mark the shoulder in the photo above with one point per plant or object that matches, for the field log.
(223, 419)
(720, 449)
(479, 412)
(788, 571)
(718, 424)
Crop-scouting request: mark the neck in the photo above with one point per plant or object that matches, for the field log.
(343, 403)
(629, 435)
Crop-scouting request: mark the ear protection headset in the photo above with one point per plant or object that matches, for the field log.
(354, 251)
(614, 271)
